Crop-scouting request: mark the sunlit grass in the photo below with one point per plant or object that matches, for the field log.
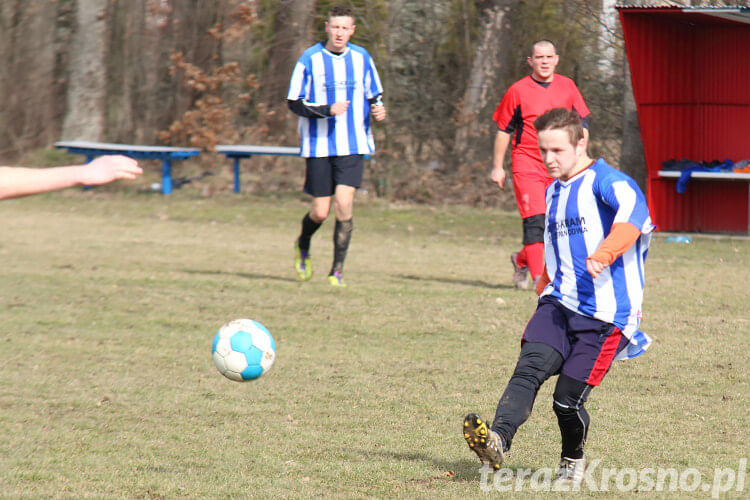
(110, 301)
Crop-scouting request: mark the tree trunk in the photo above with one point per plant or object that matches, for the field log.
(485, 70)
(85, 103)
(632, 160)
(28, 54)
(607, 26)
(292, 35)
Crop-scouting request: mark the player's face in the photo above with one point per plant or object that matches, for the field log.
(560, 156)
(339, 30)
(543, 62)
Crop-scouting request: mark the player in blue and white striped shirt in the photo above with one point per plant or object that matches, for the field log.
(334, 89)
(597, 233)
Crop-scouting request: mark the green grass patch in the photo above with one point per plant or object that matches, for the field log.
(110, 301)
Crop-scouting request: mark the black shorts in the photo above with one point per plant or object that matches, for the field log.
(587, 345)
(324, 174)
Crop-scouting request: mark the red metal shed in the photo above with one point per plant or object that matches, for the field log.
(690, 69)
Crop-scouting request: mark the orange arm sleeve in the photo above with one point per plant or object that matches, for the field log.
(622, 236)
(542, 281)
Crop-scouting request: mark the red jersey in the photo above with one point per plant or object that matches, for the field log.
(523, 103)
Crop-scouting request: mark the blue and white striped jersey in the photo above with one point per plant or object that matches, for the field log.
(323, 78)
(580, 214)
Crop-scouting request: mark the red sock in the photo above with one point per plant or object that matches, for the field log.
(534, 256)
(521, 258)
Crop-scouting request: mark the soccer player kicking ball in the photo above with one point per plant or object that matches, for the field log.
(596, 237)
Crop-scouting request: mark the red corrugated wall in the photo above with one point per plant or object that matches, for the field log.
(691, 83)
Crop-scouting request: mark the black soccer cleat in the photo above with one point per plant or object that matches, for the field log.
(485, 442)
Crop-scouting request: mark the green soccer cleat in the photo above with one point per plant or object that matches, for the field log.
(485, 442)
(302, 263)
(336, 279)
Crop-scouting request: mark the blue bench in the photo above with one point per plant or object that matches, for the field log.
(237, 153)
(164, 153)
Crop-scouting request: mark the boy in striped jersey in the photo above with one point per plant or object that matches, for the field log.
(597, 233)
(334, 89)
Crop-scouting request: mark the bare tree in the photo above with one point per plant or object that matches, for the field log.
(292, 34)
(607, 43)
(86, 92)
(486, 67)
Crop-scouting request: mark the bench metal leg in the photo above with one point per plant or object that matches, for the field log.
(237, 175)
(166, 176)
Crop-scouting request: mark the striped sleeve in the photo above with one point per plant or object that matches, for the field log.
(373, 86)
(298, 82)
(626, 198)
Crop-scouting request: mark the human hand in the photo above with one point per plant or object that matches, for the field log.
(340, 107)
(378, 112)
(594, 267)
(105, 169)
(498, 176)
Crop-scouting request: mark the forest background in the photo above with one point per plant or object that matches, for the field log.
(205, 72)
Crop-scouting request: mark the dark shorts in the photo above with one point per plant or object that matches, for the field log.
(587, 345)
(324, 174)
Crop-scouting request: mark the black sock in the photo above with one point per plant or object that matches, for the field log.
(309, 227)
(342, 234)
(572, 417)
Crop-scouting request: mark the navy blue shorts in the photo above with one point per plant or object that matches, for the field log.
(325, 173)
(587, 345)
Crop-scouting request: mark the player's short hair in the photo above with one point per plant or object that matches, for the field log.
(341, 11)
(561, 118)
(543, 41)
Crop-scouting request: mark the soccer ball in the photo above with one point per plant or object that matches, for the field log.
(243, 350)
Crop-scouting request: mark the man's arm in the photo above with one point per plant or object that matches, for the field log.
(377, 108)
(502, 140)
(622, 236)
(20, 181)
(303, 108)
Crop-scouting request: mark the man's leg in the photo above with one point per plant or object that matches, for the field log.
(543, 350)
(533, 245)
(312, 220)
(537, 363)
(347, 177)
(529, 188)
(573, 419)
(594, 347)
(318, 184)
(343, 205)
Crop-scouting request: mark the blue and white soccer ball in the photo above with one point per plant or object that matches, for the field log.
(243, 350)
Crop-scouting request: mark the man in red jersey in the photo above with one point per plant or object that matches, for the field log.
(524, 102)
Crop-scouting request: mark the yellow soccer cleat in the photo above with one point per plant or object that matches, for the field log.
(336, 279)
(485, 442)
(302, 263)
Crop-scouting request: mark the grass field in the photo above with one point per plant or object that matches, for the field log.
(110, 300)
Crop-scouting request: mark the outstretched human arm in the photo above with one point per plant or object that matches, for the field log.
(20, 181)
